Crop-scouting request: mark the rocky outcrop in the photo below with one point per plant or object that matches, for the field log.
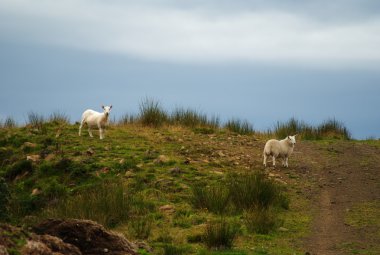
(16, 239)
(64, 237)
(90, 237)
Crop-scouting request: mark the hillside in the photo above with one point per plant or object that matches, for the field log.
(154, 185)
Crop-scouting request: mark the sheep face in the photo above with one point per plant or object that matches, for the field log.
(292, 139)
(106, 109)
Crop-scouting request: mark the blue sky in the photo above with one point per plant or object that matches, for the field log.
(261, 61)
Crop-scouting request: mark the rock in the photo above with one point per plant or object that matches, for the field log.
(29, 145)
(89, 236)
(50, 157)
(19, 177)
(90, 152)
(161, 159)
(168, 209)
(36, 192)
(122, 161)
(3, 250)
(33, 244)
(144, 245)
(129, 174)
(33, 158)
(221, 154)
(282, 229)
(175, 171)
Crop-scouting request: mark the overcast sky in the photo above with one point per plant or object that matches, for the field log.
(261, 61)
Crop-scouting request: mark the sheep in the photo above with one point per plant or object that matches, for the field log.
(279, 149)
(94, 118)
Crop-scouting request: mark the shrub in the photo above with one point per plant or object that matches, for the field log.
(253, 190)
(220, 234)
(151, 113)
(260, 220)
(213, 198)
(238, 126)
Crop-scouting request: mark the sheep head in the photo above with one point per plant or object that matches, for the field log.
(106, 109)
(292, 139)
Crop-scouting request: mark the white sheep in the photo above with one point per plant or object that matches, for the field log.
(93, 118)
(279, 149)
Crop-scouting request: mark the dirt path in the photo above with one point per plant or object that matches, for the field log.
(348, 176)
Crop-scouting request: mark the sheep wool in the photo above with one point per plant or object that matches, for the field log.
(95, 119)
(279, 149)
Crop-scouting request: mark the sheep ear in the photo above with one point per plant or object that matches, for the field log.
(111, 106)
(295, 134)
(102, 106)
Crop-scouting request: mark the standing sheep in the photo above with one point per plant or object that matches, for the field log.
(93, 118)
(279, 149)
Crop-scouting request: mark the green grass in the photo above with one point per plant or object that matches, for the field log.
(68, 176)
(108, 204)
(364, 214)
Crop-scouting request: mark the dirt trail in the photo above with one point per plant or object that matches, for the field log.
(348, 176)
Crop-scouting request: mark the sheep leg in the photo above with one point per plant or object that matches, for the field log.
(265, 160)
(286, 161)
(274, 160)
(89, 131)
(80, 127)
(101, 133)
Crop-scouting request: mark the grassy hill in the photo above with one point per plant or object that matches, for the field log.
(181, 189)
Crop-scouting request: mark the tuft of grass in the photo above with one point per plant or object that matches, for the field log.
(291, 127)
(5, 197)
(108, 204)
(260, 220)
(36, 121)
(213, 198)
(193, 119)
(58, 117)
(141, 226)
(332, 128)
(220, 234)
(253, 190)
(152, 114)
(127, 119)
(240, 127)
(171, 249)
(9, 122)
